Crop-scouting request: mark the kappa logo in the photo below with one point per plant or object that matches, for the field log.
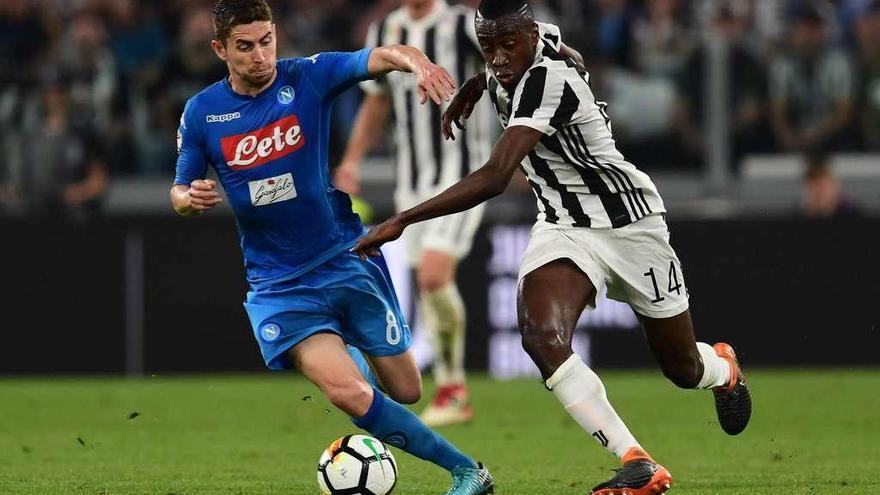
(226, 117)
(286, 95)
(254, 148)
(270, 332)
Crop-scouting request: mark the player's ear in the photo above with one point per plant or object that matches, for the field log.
(534, 33)
(219, 49)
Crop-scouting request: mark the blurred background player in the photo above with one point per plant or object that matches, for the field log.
(600, 223)
(264, 130)
(426, 165)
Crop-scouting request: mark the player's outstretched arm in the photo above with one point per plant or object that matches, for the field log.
(434, 81)
(192, 200)
(485, 183)
(368, 126)
(463, 104)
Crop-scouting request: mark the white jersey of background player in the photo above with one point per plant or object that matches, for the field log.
(426, 165)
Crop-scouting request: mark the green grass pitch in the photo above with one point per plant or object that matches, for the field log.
(813, 432)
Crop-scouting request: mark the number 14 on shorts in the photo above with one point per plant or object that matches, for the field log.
(673, 286)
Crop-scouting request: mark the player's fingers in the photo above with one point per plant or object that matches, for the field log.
(448, 81)
(447, 130)
(459, 124)
(205, 203)
(435, 95)
(203, 194)
(373, 252)
(446, 87)
(423, 95)
(203, 184)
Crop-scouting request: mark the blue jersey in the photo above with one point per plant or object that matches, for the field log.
(270, 154)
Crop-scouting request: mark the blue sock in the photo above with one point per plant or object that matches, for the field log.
(396, 425)
(358, 357)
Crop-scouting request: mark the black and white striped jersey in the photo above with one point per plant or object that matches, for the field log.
(427, 163)
(576, 171)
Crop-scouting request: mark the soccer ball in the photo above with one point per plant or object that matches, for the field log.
(357, 465)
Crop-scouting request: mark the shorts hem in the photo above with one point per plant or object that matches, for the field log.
(661, 314)
(595, 278)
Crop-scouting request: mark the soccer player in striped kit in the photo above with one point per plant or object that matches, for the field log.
(600, 222)
(426, 165)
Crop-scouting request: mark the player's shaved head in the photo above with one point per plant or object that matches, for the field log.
(495, 16)
(231, 13)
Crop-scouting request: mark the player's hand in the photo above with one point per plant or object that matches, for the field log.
(435, 83)
(203, 195)
(463, 104)
(346, 178)
(387, 231)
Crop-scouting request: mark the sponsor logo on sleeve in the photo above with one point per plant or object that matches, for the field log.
(272, 190)
(255, 148)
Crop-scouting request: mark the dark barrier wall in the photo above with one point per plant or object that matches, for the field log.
(785, 293)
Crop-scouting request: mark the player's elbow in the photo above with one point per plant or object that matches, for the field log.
(497, 179)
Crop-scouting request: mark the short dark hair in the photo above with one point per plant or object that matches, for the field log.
(231, 13)
(494, 9)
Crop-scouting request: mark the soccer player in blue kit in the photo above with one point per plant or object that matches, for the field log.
(264, 129)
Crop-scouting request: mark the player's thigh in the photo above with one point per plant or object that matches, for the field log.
(399, 375)
(441, 243)
(552, 298)
(645, 271)
(324, 360)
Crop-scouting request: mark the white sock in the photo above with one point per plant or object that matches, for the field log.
(582, 394)
(444, 315)
(716, 370)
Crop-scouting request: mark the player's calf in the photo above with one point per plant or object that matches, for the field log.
(684, 371)
(354, 397)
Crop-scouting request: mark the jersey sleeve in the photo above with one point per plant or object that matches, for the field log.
(192, 161)
(544, 101)
(379, 85)
(550, 34)
(339, 70)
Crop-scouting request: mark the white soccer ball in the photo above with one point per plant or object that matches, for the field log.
(357, 465)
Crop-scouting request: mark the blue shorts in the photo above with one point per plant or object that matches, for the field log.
(346, 296)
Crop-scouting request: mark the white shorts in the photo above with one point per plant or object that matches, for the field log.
(636, 262)
(452, 234)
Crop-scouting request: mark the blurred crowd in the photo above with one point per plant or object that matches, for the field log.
(94, 89)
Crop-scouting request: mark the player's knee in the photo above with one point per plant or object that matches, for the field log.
(684, 373)
(354, 398)
(542, 340)
(409, 393)
(432, 282)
